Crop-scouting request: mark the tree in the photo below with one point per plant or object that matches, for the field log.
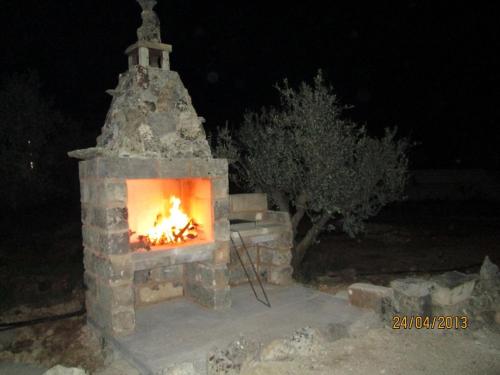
(32, 135)
(314, 163)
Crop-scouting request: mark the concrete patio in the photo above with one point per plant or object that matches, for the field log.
(182, 331)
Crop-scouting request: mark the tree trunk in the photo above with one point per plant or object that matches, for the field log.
(302, 247)
(300, 211)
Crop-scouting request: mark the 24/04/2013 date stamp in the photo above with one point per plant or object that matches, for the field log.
(430, 322)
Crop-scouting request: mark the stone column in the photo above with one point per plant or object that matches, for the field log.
(165, 60)
(275, 256)
(107, 260)
(207, 283)
(144, 56)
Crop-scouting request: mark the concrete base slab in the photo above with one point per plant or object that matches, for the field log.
(181, 331)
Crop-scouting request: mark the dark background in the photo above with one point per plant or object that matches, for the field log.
(428, 67)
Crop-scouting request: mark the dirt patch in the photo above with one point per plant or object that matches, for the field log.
(409, 240)
(68, 342)
(384, 351)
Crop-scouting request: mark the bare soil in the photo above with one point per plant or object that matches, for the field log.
(382, 351)
(410, 239)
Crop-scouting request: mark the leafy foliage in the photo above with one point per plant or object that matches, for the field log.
(312, 161)
(31, 143)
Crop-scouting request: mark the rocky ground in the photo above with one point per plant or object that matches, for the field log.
(367, 347)
(394, 247)
(371, 348)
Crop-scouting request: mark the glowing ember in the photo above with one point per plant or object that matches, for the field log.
(172, 226)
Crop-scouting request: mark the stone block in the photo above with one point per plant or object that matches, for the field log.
(89, 261)
(90, 283)
(286, 238)
(85, 214)
(180, 255)
(451, 288)
(91, 306)
(220, 187)
(142, 276)
(174, 168)
(220, 276)
(221, 230)
(114, 193)
(114, 167)
(86, 191)
(104, 192)
(115, 269)
(110, 218)
(247, 202)
(412, 296)
(114, 242)
(86, 168)
(208, 275)
(489, 275)
(200, 168)
(245, 216)
(251, 251)
(280, 275)
(114, 297)
(123, 321)
(237, 274)
(157, 292)
(277, 256)
(270, 244)
(489, 270)
(90, 237)
(218, 167)
(100, 317)
(221, 209)
(221, 253)
(217, 299)
(368, 296)
(280, 217)
(168, 273)
(279, 239)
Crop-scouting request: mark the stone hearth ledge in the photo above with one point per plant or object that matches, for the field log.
(161, 258)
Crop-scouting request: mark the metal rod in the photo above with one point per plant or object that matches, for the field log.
(266, 302)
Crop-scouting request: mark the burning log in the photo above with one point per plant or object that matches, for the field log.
(179, 235)
(171, 227)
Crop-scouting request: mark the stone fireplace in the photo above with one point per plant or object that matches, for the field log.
(155, 202)
(120, 198)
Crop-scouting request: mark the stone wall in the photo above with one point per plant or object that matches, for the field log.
(117, 279)
(158, 284)
(268, 240)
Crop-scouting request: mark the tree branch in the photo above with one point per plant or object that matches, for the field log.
(311, 235)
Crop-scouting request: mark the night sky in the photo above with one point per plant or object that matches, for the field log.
(428, 67)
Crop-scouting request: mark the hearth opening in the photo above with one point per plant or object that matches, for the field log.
(168, 213)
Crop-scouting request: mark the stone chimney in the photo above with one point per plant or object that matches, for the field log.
(151, 114)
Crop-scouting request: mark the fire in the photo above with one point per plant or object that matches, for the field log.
(171, 226)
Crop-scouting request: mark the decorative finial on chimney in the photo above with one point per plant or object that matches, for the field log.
(150, 28)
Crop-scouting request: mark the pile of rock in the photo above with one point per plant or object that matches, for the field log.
(476, 296)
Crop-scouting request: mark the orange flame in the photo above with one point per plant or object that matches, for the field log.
(171, 227)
